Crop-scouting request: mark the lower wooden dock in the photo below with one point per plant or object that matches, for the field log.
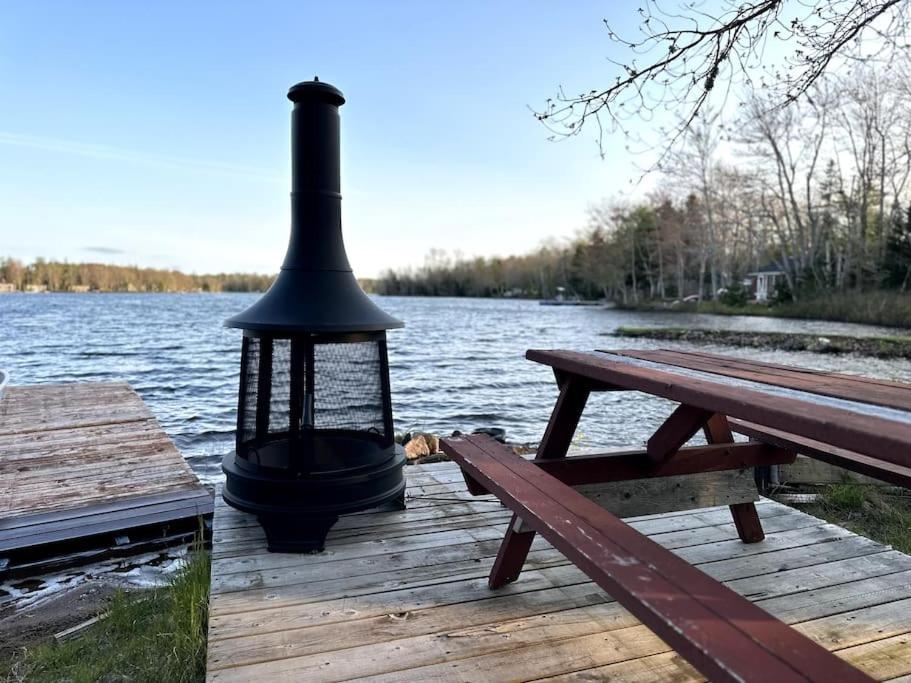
(402, 596)
(83, 466)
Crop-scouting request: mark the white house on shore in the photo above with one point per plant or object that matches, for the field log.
(762, 282)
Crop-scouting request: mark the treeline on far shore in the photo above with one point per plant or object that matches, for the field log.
(57, 276)
(781, 204)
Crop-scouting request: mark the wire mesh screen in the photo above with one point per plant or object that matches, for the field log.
(348, 390)
(249, 384)
(280, 390)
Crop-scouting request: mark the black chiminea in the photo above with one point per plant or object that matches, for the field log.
(314, 424)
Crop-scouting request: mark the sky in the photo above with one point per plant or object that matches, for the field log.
(157, 133)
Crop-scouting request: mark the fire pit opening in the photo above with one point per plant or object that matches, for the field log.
(313, 403)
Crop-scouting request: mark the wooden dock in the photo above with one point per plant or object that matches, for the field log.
(402, 596)
(87, 466)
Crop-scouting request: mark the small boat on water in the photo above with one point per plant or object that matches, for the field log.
(561, 299)
(570, 302)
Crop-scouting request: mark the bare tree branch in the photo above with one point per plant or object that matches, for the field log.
(681, 57)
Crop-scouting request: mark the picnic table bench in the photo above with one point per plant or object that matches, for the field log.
(857, 423)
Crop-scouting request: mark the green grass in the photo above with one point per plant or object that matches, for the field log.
(868, 511)
(154, 636)
(876, 307)
(891, 309)
(881, 347)
(847, 497)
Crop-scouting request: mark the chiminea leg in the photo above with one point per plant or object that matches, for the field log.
(290, 534)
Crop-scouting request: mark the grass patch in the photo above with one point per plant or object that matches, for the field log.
(153, 636)
(884, 308)
(890, 309)
(868, 511)
(845, 497)
(881, 347)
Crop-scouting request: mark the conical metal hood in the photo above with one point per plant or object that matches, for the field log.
(315, 291)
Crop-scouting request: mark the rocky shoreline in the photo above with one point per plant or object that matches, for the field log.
(880, 347)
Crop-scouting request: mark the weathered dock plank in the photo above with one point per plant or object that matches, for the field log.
(402, 596)
(81, 462)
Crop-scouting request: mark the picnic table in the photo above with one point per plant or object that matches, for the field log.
(854, 422)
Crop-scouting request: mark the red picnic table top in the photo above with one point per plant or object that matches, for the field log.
(870, 417)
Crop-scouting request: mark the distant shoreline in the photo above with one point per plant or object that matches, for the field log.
(83, 278)
(881, 308)
(131, 291)
(62, 277)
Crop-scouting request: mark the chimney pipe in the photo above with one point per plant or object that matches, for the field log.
(316, 201)
(315, 291)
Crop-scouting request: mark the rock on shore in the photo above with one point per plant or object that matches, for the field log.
(423, 447)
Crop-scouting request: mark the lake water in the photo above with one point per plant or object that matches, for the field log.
(458, 364)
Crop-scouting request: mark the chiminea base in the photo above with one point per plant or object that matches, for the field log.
(297, 512)
(308, 534)
(304, 535)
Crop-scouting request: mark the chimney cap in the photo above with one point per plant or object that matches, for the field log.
(316, 90)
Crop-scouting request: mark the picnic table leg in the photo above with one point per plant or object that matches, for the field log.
(511, 556)
(564, 419)
(746, 519)
(555, 444)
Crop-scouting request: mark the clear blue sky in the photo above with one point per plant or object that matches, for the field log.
(157, 133)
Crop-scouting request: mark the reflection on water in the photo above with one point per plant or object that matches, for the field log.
(458, 364)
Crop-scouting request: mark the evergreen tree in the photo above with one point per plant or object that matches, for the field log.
(897, 263)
